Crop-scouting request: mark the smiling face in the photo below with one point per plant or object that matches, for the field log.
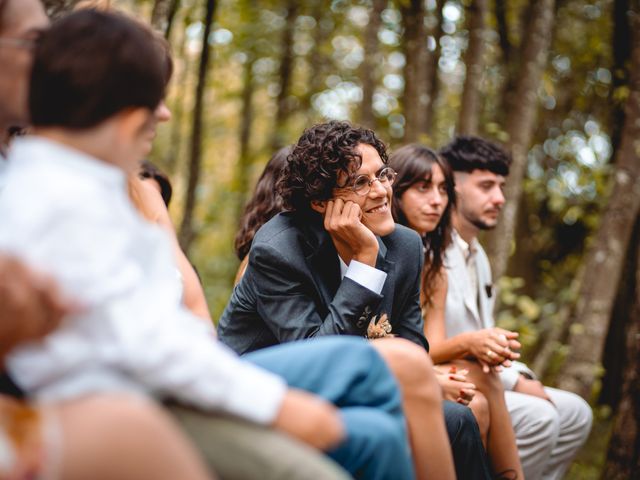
(480, 199)
(424, 202)
(376, 205)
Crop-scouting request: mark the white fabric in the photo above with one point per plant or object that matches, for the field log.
(69, 214)
(363, 274)
(3, 168)
(548, 435)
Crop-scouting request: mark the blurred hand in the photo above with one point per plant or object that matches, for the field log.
(455, 386)
(31, 305)
(310, 419)
(531, 387)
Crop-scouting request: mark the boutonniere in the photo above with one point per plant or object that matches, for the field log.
(379, 328)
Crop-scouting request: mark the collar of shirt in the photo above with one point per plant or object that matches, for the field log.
(468, 249)
(39, 152)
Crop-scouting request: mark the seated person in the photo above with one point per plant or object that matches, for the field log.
(336, 264)
(96, 81)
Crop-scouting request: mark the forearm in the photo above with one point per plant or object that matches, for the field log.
(449, 348)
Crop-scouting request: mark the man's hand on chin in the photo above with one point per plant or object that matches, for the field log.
(353, 240)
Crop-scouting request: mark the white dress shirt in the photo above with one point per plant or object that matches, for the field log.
(366, 275)
(69, 214)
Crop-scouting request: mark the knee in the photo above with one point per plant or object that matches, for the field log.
(544, 420)
(461, 424)
(412, 367)
(480, 408)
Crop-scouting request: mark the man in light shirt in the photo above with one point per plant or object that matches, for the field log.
(550, 424)
(96, 81)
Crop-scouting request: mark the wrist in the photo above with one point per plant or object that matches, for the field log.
(367, 256)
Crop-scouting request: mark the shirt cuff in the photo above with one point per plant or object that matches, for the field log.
(256, 394)
(367, 276)
(509, 377)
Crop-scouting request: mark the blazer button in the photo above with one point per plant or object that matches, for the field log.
(362, 321)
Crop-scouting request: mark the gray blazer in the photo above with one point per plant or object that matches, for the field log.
(462, 314)
(292, 288)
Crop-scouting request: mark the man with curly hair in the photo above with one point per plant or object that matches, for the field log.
(335, 263)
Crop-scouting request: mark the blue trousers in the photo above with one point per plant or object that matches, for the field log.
(349, 373)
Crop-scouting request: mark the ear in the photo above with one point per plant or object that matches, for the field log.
(319, 206)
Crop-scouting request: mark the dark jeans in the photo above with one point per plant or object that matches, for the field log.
(469, 455)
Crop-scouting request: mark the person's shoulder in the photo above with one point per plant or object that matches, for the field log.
(282, 228)
(403, 237)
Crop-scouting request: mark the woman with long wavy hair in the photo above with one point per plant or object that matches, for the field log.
(424, 197)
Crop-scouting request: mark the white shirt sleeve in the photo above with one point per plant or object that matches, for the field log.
(366, 275)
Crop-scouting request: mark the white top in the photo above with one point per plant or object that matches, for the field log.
(69, 214)
(364, 274)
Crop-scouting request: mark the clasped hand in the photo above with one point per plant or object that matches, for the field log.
(494, 348)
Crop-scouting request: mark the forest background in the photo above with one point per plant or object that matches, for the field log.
(556, 82)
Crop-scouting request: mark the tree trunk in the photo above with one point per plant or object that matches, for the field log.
(319, 62)
(286, 69)
(520, 124)
(605, 260)
(474, 62)
(371, 60)
(433, 84)
(187, 233)
(623, 457)
(162, 15)
(182, 78)
(503, 30)
(241, 180)
(414, 46)
(620, 70)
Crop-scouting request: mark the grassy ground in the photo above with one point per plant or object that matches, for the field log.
(591, 459)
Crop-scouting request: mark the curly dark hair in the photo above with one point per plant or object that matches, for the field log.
(414, 163)
(263, 205)
(468, 153)
(324, 153)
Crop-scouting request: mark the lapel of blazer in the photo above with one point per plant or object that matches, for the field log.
(486, 288)
(322, 259)
(463, 277)
(387, 266)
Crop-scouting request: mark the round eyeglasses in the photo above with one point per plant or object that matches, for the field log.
(362, 183)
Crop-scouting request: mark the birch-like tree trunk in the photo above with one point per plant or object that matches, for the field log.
(605, 259)
(474, 62)
(187, 232)
(414, 46)
(285, 73)
(370, 62)
(520, 124)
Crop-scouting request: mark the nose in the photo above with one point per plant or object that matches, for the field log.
(162, 113)
(436, 197)
(378, 189)
(498, 196)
